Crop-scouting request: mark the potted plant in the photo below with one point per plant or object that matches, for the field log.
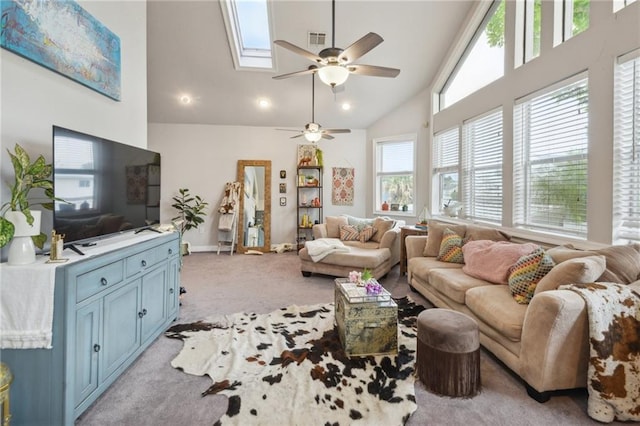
(190, 213)
(17, 220)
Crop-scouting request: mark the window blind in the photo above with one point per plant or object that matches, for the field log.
(550, 160)
(482, 168)
(626, 193)
(446, 160)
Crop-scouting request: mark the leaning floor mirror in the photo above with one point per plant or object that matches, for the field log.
(254, 232)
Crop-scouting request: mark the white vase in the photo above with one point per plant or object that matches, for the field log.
(22, 251)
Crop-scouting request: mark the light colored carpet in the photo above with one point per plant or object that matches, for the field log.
(151, 392)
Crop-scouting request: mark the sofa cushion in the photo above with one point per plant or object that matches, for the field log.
(434, 237)
(366, 233)
(475, 233)
(495, 306)
(359, 222)
(454, 283)
(451, 247)
(333, 225)
(349, 233)
(381, 226)
(491, 260)
(359, 258)
(623, 263)
(527, 272)
(579, 270)
(422, 266)
(565, 252)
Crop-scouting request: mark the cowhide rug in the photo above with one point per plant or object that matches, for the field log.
(288, 368)
(613, 378)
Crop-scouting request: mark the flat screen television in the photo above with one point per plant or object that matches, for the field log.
(108, 187)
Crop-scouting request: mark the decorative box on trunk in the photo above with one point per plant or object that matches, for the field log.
(367, 325)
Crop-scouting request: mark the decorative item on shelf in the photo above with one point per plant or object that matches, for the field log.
(452, 208)
(310, 180)
(405, 208)
(301, 180)
(395, 207)
(319, 157)
(315, 202)
(361, 278)
(373, 288)
(190, 214)
(18, 223)
(385, 206)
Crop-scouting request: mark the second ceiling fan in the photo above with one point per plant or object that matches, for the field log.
(313, 132)
(335, 63)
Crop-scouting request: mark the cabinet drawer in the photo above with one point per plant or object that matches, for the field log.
(141, 261)
(93, 282)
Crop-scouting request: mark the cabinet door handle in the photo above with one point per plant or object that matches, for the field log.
(143, 263)
(171, 291)
(103, 281)
(142, 313)
(170, 251)
(96, 348)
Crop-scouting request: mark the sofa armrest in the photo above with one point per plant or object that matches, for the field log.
(319, 231)
(391, 240)
(554, 349)
(415, 245)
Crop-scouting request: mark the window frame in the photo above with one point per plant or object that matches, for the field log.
(378, 174)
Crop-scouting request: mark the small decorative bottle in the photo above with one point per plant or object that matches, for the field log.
(385, 206)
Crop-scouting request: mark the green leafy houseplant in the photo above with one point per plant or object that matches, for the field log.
(190, 210)
(28, 176)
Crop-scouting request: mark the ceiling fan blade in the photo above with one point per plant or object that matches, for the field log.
(360, 48)
(288, 130)
(337, 130)
(300, 51)
(296, 136)
(294, 74)
(326, 136)
(373, 70)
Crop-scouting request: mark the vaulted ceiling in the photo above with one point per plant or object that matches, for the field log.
(188, 53)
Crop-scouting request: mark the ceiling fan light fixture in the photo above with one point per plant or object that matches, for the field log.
(313, 136)
(333, 75)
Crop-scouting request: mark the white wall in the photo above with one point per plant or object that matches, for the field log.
(34, 98)
(204, 157)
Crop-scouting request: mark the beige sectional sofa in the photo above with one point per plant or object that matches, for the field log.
(545, 341)
(379, 253)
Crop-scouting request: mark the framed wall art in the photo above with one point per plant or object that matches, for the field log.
(283, 201)
(283, 188)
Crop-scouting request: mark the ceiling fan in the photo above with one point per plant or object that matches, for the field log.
(313, 132)
(335, 63)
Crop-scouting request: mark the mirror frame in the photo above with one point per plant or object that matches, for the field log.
(267, 205)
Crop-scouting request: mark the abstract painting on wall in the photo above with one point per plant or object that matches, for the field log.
(65, 38)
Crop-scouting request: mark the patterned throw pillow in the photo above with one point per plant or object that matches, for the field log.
(526, 272)
(367, 232)
(451, 247)
(349, 233)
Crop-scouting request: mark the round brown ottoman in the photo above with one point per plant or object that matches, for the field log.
(448, 358)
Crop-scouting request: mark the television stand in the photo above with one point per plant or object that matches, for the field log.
(146, 228)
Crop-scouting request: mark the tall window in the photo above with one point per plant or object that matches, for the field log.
(446, 160)
(626, 195)
(550, 159)
(395, 172)
(482, 168)
(248, 31)
(482, 61)
(529, 25)
(571, 18)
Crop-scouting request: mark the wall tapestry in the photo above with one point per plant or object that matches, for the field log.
(62, 36)
(137, 179)
(342, 186)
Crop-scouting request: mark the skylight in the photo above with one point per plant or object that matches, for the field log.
(249, 32)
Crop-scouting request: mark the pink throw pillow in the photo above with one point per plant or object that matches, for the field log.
(491, 260)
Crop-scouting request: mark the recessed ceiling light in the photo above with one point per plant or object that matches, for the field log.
(264, 103)
(346, 106)
(185, 99)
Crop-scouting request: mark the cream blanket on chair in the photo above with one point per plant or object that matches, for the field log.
(323, 247)
(613, 377)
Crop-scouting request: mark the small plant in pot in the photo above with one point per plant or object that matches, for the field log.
(17, 219)
(190, 213)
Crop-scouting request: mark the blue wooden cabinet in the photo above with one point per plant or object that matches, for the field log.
(108, 308)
